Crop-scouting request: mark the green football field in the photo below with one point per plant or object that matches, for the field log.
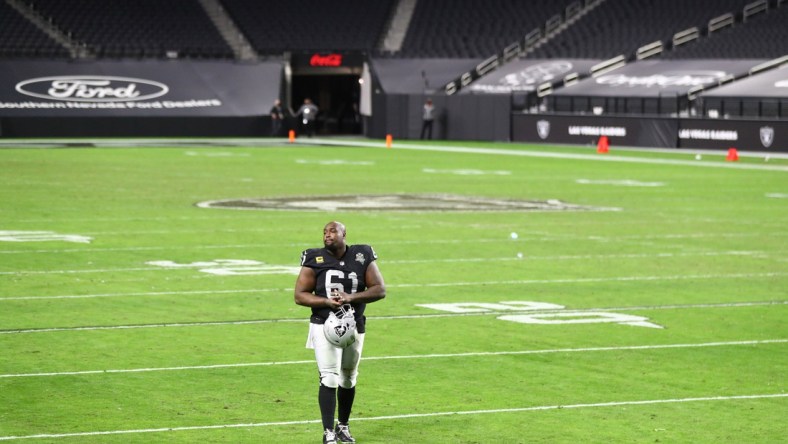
(535, 294)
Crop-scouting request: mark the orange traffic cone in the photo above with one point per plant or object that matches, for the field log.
(601, 146)
(388, 140)
(291, 136)
(733, 155)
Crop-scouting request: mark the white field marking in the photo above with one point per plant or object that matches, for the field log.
(777, 195)
(386, 358)
(578, 256)
(589, 280)
(334, 162)
(256, 267)
(282, 142)
(216, 154)
(161, 325)
(623, 183)
(100, 270)
(404, 416)
(450, 284)
(548, 154)
(523, 237)
(151, 293)
(468, 172)
(41, 236)
(585, 317)
(394, 317)
(255, 246)
(230, 267)
(152, 248)
(206, 217)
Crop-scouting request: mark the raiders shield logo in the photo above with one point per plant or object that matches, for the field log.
(543, 129)
(767, 136)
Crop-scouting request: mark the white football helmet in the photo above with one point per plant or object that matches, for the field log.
(340, 327)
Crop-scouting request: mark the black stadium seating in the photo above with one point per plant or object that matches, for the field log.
(139, 28)
(311, 25)
(622, 26)
(20, 38)
(472, 28)
(763, 36)
(438, 28)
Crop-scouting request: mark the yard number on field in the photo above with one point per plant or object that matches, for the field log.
(229, 267)
(543, 313)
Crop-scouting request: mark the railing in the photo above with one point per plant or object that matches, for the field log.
(608, 65)
(649, 50)
(685, 36)
(721, 22)
(769, 65)
(520, 47)
(754, 8)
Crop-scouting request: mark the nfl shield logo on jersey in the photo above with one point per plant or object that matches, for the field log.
(767, 136)
(543, 129)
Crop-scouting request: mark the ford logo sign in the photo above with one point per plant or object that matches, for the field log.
(92, 88)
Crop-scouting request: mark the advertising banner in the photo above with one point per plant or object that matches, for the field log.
(745, 135)
(149, 88)
(585, 130)
(525, 75)
(652, 78)
(769, 84)
(742, 134)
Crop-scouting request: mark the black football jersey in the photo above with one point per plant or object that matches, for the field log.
(346, 273)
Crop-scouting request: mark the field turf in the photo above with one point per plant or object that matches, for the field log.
(129, 314)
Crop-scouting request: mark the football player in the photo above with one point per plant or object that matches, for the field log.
(337, 282)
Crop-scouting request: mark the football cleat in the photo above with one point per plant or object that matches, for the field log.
(329, 437)
(340, 327)
(343, 433)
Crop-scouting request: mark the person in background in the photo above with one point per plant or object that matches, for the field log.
(308, 115)
(277, 118)
(427, 118)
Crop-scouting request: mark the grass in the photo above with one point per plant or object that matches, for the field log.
(101, 346)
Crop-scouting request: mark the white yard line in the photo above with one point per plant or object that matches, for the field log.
(95, 270)
(146, 294)
(554, 155)
(430, 284)
(382, 358)
(579, 256)
(395, 317)
(452, 260)
(524, 237)
(587, 280)
(171, 429)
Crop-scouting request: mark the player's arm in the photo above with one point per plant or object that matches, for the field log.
(376, 288)
(305, 288)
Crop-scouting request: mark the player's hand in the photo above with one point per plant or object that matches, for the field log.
(335, 299)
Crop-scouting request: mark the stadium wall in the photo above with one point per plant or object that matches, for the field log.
(467, 117)
(137, 98)
(746, 135)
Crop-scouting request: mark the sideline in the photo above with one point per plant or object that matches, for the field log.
(409, 416)
(248, 268)
(386, 358)
(374, 143)
(556, 155)
(393, 317)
